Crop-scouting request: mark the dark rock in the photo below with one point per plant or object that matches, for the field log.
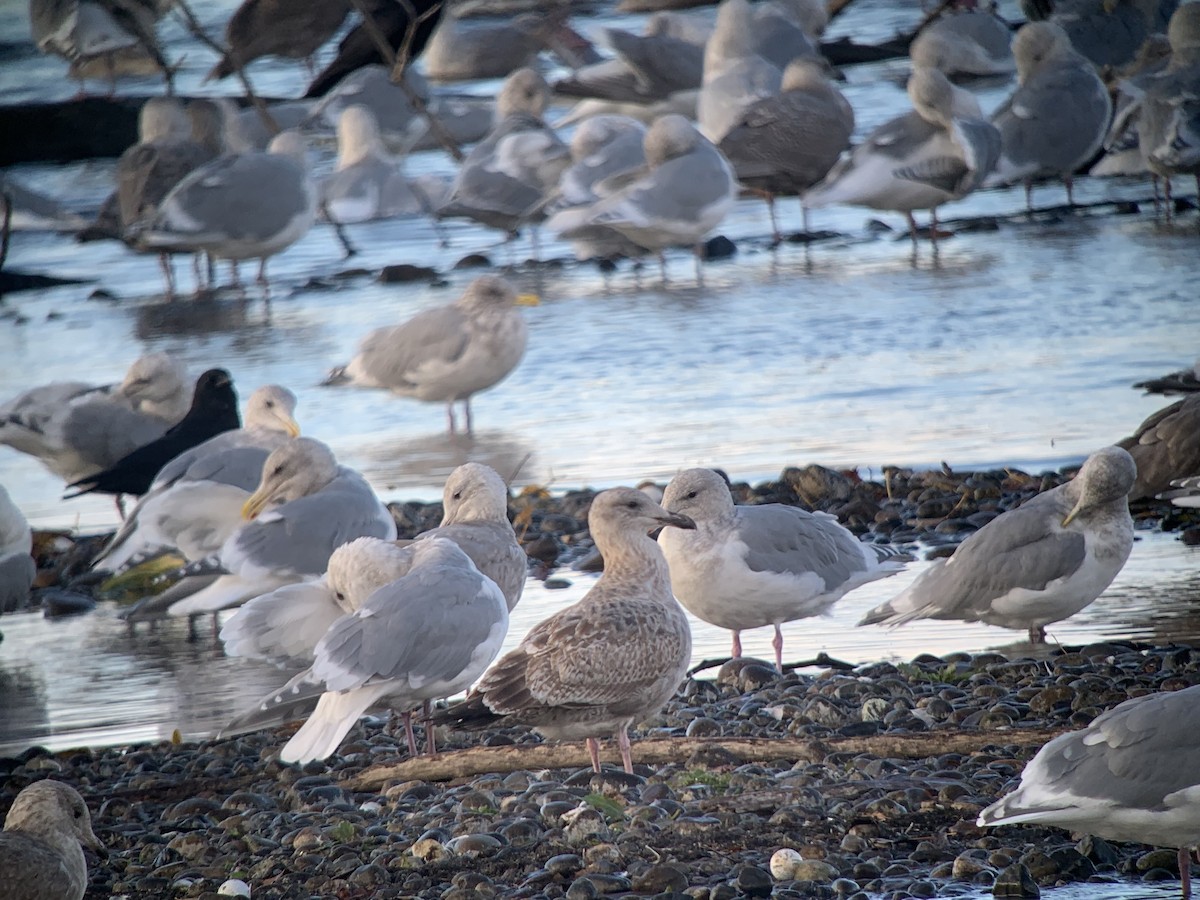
(1017, 882)
(401, 273)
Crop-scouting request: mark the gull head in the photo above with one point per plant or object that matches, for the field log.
(701, 494)
(272, 407)
(300, 467)
(1106, 475)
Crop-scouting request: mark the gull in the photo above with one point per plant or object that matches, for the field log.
(1165, 447)
(445, 354)
(1033, 565)
(965, 42)
(396, 118)
(17, 568)
(1184, 381)
(750, 566)
(458, 51)
(366, 184)
(1105, 32)
(606, 662)
(261, 28)
(40, 853)
(1132, 775)
(735, 74)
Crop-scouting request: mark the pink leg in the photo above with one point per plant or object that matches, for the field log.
(593, 746)
(777, 643)
(451, 425)
(1070, 183)
(408, 732)
(1185, 872)
(626, 753)
(737, 645)
(430, 743)
(912, 228)
(1029, 196)
(467, 413)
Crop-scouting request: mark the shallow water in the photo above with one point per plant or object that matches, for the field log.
(1011, 347)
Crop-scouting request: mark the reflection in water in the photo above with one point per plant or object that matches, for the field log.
(200, 316)
(431, 458)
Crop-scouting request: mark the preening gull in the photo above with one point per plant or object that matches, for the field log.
(305, 507)
(213, 410)
(372, 86)
(608, 661)
(261, 28)
(965, 42)
(1184, 381)
(17, 567)
(366, 184)
(749, 566)
(40, 853)
(1165, 447)
(1132, 775)
(1033, 565)
(420, 623)
(195, 500)
(1058, 116)
(77, 429)
(735, 74)
(941, 151)
(445, 354)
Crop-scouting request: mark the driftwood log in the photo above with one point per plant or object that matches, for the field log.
(463, 764)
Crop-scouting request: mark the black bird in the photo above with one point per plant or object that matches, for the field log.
(214, 409)
(358, 48)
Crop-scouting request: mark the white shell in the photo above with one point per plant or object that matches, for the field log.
(783, 864)
(234, 887)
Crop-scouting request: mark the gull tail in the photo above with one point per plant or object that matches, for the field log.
(333, 718)
(470, 714)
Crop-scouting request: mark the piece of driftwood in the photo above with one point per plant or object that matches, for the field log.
(655, 751)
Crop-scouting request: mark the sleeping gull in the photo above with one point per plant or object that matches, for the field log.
(213, 410)
(1184, 381)
(17, 567)
(1165, 447)
(939, 152)
(40, 853)
(1132, 775)
(366, 184)
(419, 624)
(78, 429)
(750, 566)
(965, 42)
(1056, 119)
(261, 28)
(239, 206)
(682, 194)
(444, 354)
(305, 507)
(372, 86)
(196, 499)
(787, 143)
(1105, 32)
(1033, 565)
(460, 51)
(608, 661)
(735, 74)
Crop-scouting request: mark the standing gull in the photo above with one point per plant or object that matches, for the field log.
(735, 74)
(445, 354)
(366, 184)
(396, 118)
(419, 624)
(609, 660)
(1165, 447)
(292, 30)
(1033, 565)
(750, 566)
(40, 853)
(17, 568)
(1132, 775)
(966, 42)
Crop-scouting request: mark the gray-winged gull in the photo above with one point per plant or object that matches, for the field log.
(735, 74)
(366, 184)
(195, 501)
(1184, 381)
(83, 30)
(1105, 32)
(606, 662)
(1184, 492)
(413, 631)
(283, 28)
(1166, 446)
(1132, 775)
(240, 206)
(305, 507)
(1033, 565)
(445, 354)
(750, 566)
(1056, 119)
(941, 151)
(965, 42)
(465, 51)
(787, 143)
(372, 87)
(40, 853)
(17, 568)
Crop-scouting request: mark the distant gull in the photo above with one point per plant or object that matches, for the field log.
(196, 499)
(1133, 774)
(34, 211)
(305, 507)
(77, 429)
(735, 74)
(1123, 153)
(965, 43)
(412, 632)
(240, 206)
(1034, 565)
(1165, 447)
(372, 86)
(1184, 381)
(607, 662)
(40, 853)
(1105, 32)
(1056, 119)
(445, 354)
(1184, 492)
(366, 183)
(213, 410)
(462, 51)
(749, 566)
(939, 152)
(83, 30)
(17, 567)
(291, 30)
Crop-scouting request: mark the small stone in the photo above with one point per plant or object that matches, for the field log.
(660, 879)
(1015, 881)
(783, 864)
(404, 272)
(753, 881)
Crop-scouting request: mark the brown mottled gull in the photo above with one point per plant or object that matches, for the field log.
(40, 853)
(283, 28)
(1165, 447)
(606, 662)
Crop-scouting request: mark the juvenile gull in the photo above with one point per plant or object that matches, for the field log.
(750, 566)
(305, 507)
(965, 42)
(460, 51)
(84, 30)
(1165, 447)
(1056, 119)
(195, 500)
(606, 662)
(40, 853)
(445, 354)
(1033, 565)
(1132, 775)
(17, 567)
(1105, 32)
(291, 30)
(419, 624)
(366, 184)
(1185, 381)
(735, 74)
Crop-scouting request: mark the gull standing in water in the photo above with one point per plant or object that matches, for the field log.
(17, 568)
(608, 661)
(366, 184)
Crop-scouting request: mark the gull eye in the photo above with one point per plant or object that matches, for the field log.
(340, 595)
(632, 504)
(691, 495)
(457, 495)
